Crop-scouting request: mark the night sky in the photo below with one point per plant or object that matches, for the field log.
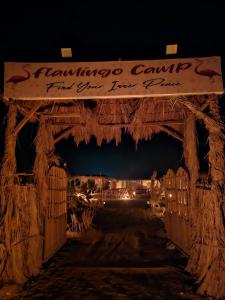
(105, 30)
(109, 30)
(127, 160)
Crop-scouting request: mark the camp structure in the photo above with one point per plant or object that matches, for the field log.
(104, 99)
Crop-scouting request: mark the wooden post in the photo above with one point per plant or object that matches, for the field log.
(44, 156)
(44, 150)
(208, 252)
(192, 163)
(7, 197)
(191, 151)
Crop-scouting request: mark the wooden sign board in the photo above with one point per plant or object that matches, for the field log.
(116, 79)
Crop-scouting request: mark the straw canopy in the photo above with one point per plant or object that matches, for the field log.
(106, 118)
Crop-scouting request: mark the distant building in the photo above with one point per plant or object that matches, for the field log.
(97, 182)
(132, 184)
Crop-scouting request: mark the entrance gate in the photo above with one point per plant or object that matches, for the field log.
(102, 99)
(55, 220)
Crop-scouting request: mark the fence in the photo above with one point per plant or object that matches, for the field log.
(55, 220)
(29, 247)
(177, 213)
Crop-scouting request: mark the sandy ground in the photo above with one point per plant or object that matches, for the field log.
(124, 255)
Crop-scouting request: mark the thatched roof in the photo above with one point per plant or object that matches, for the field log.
(106, 118)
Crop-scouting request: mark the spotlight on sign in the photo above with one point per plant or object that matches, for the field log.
(66, 52)
(171, 49)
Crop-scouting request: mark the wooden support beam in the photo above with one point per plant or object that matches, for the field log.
(172, 132)
(26, 111)
(123, 125)
(141, 124)
(63, 134)
(61, 115)
(204, 106)
(48, 115)
(27, 118)
(155, 123)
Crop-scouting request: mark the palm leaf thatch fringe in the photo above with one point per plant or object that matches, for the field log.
(7, 196)
(216, 154)
(106, 120)
(207, 260)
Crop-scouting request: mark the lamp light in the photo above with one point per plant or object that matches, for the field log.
(171, 49)
(66, 52)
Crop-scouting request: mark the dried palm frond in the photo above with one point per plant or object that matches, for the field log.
(7, 193)
(207, 259)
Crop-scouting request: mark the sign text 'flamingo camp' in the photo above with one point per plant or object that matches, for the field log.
(116, 79)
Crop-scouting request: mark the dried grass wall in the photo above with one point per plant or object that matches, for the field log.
(20, 241)
(7, 202)
(26, 242)
(207, 261)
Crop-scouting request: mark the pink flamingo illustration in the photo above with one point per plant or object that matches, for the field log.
(18, 78)
(205, 72)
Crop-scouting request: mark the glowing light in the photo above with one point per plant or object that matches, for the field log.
(134, 193)
(94, 199)
(170, 195)
(66, 52)
(81, 195)
(171, 49)
(126, 196)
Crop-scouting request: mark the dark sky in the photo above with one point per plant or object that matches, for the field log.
(125, 160)
(104, 30)
(108, 30)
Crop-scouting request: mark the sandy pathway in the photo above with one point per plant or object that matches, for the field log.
(123, 256)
